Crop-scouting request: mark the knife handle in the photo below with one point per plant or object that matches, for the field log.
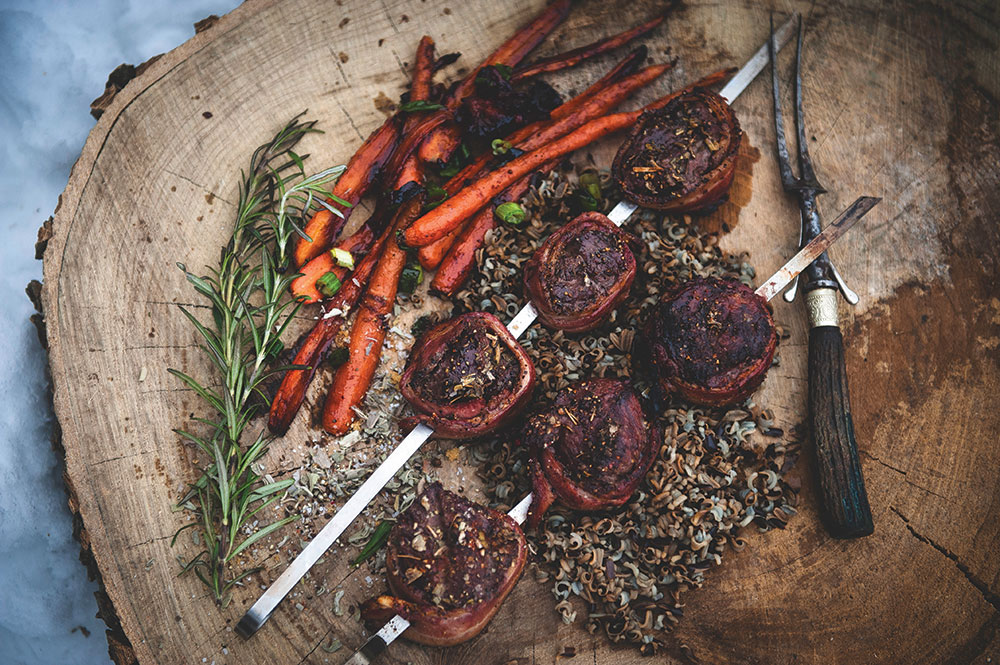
(844, 508)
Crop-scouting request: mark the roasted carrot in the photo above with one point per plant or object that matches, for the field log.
(460, 259)
(304, 286)
(362, 171)
(629, 65)
(457, 264)
(514, 50)
(578, 55)
(455, 210)
(423, 70)
(292, 392)
(353, 378)
(438, 147)
(538, 134)
(430, 256)
(593, 102)
(440, 144)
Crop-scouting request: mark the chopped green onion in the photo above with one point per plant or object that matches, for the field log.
(500, 147)
(419, 105)
(411, 277)
(339, 356)
(435, 196)
(343, 258)
(375, 543)
(510, 213)
(505, 70)
(592, 183)
(328, 284)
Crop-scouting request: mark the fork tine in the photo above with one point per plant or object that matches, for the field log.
(807, 174)
(784, 164)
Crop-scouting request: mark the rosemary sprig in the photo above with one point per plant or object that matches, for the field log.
(250, 311)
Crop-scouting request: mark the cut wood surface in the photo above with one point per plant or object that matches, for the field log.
(901, 101)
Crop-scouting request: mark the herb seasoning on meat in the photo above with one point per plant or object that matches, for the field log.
(450, 564)
(681, 158)
(467, 376)
(591, 448)
(580, 273)
(710, 341)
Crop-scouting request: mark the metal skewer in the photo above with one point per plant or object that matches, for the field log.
(260, 611)
(377, 643)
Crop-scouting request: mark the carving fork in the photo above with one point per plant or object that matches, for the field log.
(844, 501)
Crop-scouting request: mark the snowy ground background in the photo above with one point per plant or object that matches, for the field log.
(54, 59)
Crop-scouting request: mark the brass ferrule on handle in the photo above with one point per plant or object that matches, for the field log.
(821, 305)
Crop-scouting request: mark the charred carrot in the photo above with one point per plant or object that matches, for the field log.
(461, 257)
(576, 56)
(423, 70)
(591, 103)
(430, 256)
(455, 210)
(596, 105)
(292, 391)
(514, 50)
(629, 65)
(353, 378)
(442, 142)
(362, 171)
(304, 286)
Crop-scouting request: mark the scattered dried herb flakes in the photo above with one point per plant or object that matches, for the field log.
(717, 471)
(336, 468)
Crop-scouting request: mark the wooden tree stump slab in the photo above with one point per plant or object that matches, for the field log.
(901, 102)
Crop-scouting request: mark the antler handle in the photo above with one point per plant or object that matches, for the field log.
(844, 500)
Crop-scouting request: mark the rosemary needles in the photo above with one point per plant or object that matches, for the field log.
(242, 340)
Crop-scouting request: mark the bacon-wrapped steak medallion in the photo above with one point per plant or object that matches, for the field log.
(467, 376)
(580, 273)
(710, 341)
(682, 157)
(450, 564)
(591, 448)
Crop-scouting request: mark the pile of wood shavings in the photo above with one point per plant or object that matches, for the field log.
(717, 471)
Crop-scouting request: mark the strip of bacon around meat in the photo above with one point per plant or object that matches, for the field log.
(580, 273)
(682, 157)
(591, 448)
(467, 377)
(450, 564)
(711, 341)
